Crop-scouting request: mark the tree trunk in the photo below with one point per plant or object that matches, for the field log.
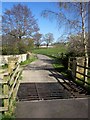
(20, 37)
(47, 45)
(83, 12)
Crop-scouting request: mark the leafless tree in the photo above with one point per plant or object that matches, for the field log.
(37, 39)
(48, 38)
(19, 21)
(74, 16)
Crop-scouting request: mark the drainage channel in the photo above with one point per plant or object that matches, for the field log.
(40, 91)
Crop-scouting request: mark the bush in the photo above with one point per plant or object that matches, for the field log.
(22, 48)
(30, 44)
(14, 49)
(9, 50)
(75, 45)
(4, 66)
(4, 50)
(65, 62)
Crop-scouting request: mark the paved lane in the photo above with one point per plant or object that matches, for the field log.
(41, 96)
(39, 83)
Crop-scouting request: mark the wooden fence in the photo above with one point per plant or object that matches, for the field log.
(78, 70)
(10, 85)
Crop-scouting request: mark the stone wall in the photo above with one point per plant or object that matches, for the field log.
(4, 58)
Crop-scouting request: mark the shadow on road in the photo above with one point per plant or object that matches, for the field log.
(50, 61)
(45, 67)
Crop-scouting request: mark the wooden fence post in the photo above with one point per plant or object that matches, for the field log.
(84, 72)
(5, 91)
(11, 63)
(74, 67)
(69, 64)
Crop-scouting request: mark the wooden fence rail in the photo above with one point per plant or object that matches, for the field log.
(10, 85)
(78, 71)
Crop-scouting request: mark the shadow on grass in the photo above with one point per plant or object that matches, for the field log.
(61, 66)
(60, 69)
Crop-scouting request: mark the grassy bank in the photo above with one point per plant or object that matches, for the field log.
(60, 64)
(28, 61)
(56, 54)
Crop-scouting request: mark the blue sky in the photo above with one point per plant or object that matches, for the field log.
(48, 25)
(45, 25)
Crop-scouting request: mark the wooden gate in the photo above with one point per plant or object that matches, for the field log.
(10, 84)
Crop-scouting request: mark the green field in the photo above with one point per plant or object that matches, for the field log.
(53, 52)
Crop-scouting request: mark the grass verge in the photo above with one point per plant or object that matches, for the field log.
(58, 65)
(28, 61)
(8, 117)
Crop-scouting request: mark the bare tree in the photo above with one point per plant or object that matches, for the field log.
(74, 20)
(74, 16)
(19, 21)
(48, 38)
(37, 39)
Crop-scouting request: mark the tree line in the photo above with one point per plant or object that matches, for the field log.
(20, 31)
